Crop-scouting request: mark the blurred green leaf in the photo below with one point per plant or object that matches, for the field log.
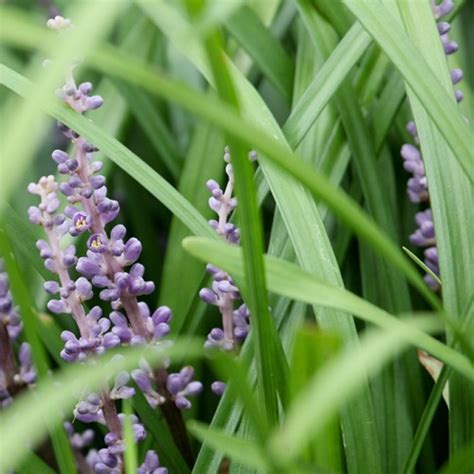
(340, 379)
(238, 449)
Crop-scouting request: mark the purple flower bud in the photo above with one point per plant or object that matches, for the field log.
(118, 232)
(94, 102)
(85, 88)
(443, 27)
(57, 306)
(218, 388)
(59, 156)
(208, 296)
(84, 288)
(459, 95)
(456, 75)
(51, 287)
(97, 181)
(34, 215)
(152, 465)
(132, 251)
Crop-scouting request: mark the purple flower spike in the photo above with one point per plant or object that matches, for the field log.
(151, 465)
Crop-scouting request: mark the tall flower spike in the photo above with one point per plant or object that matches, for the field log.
(110, 265)
(417, 186)
(223, 292)
(15, 372)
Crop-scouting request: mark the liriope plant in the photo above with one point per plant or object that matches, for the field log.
(292, 347)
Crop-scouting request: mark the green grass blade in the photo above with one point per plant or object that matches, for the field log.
(153, 125)
(34, 465)
(435, 100)
(239, 449)
(289, 280)
(422, 265)
(312, 350)
(245, 26)
(130, 452)
(269, 368)
(425, 421)
(325, 83)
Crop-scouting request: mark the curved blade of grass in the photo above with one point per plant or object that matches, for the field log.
(325, 83)
(289, 280)
(335, 383)
(422, 265)
(435, 100)
(270, 366)
(425, 421)
(24, 425)
(247, 28)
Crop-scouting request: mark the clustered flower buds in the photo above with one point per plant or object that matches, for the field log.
(15, 372)
(223, 292)
(110, 265)
(417, 186)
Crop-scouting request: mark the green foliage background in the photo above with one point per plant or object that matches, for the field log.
(329, 380)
